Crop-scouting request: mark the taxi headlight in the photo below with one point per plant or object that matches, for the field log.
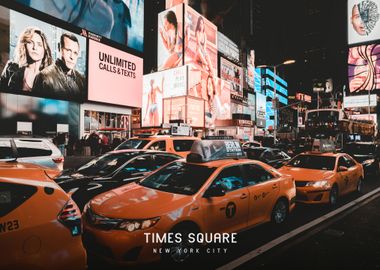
(134, 225)
(368, 162)
(319, 184)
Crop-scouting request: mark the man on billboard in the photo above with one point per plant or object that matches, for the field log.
(365, 15)
(61, 80)
(152, 105)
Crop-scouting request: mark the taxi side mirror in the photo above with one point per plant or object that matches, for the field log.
(216, 191)
(342, 169)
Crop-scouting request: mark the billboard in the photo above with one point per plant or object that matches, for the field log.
(269, 113)
(227, 47)
(363, 21)
(260, 109)
(251, 106)
(120, 21)
(251, 69)
(188, 109)
(232, 73)
(360, 101)
(364, 68)
(170, 38)
(115, 76)
(201, 38)
(172, 3)
(40, 59)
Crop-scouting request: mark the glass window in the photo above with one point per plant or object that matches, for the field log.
(230, 179)
(32, 148)
(256, 174)
(350, 163)
(179, 177)
(182, 145)
(268, 155)
(133, 144)
(161, 160)
(313, 162)
(139, 165)
(13, 195)
(6, 149)
(159, 146)
(342, 162)
(255, 153)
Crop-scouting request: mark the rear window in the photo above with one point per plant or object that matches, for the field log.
(13, 195)
(133, 144)
(31, 148)
(182, 145)
(5, 149)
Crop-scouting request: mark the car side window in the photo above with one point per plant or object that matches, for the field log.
(161, 160)
(138, 166)
(6, 149)
(230, 179)
(267, 155)
(159, 146)
(349, 161)
(32, 148)
(13, 195)
(342, 162)
(182, 145)
(255, 174)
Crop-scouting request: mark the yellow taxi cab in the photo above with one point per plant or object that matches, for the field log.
(216, 190)
(321, 177)
(40, 227)
(179, 145)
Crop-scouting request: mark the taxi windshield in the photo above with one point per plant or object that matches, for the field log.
(179, 177)
(105, 164)
(313, 162)
(133, 144)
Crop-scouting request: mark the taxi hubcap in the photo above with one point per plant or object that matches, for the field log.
(280, 212)
(333, 195)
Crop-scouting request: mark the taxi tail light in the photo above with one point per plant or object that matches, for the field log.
(58, 159)
(70, 217)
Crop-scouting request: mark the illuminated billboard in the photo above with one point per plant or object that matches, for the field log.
(172, 3)
(363, 23)
(201, 48)
(115, 76)
(227, 47)
(260, 109)
(170, 38)
(232, 73)
(120, 21)
(251, 69)
(364, 68)
(40, 59)
(218, 104)
(188, 109)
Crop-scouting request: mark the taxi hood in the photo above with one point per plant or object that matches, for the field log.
(133, 201)
(301, 174)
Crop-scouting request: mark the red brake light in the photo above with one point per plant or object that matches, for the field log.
(59, 159)
(71, 218)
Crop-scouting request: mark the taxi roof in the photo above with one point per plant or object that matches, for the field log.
(326, 154)
(223, 162)
(154, 137)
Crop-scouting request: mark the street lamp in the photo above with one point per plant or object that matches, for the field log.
(287, 62)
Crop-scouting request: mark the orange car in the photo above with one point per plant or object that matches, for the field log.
(211, 192)
(323, 177)
(40, 227)
(179, 145)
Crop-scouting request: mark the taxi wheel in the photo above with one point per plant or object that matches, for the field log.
(359, 186)
(333, 197)
(280, 212)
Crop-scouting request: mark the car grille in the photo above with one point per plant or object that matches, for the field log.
(301, 183)
(100, 222)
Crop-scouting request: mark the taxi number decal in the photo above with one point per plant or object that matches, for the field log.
(9, 226)
(230, 210)
(260, 196)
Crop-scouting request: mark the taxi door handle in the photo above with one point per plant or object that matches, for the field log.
(243, 196)
(274, 186)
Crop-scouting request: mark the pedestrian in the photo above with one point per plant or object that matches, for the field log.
(94, 142)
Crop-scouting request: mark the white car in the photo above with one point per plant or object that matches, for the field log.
(41, 151)
(251, 144)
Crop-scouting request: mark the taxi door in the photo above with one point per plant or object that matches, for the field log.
(354, 172)
(227, 213)
(263, 192)
(343, 177)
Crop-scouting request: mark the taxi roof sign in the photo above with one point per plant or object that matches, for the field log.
(323, 146)
(209, 150)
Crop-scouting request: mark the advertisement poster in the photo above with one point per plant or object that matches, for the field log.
(40, 59)
(227, 47)
(363, 23)
(251, 69)
(172, 3)
(360, 101)
(115, 76)
(201, 48)
(170, 38)
(190, 110)
(195, 112)
(260, 109)
(232, 73)
(121, 21)
(364, 68)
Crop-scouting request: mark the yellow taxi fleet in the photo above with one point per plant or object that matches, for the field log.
(40, 227)
(214, 191)
(321, 178)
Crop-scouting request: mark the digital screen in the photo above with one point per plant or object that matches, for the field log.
(251, 69)
(190, 110)
(269, 113)
(232, 73)
(201, 48)
(172, 3)
(199, 81)
(260, 110)
(170, 38)
(227, 47)
(40, 59)
(120, 21)
(251, 106)
(257, 81)
(195, 112)
(364, 68)
(363, 21)
(115, 76)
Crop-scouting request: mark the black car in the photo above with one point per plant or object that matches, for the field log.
(366, 153)
(274, 157)
(110, 171)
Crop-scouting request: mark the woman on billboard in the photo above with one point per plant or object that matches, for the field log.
(202, 56)
(32, 54)
(172, 40)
